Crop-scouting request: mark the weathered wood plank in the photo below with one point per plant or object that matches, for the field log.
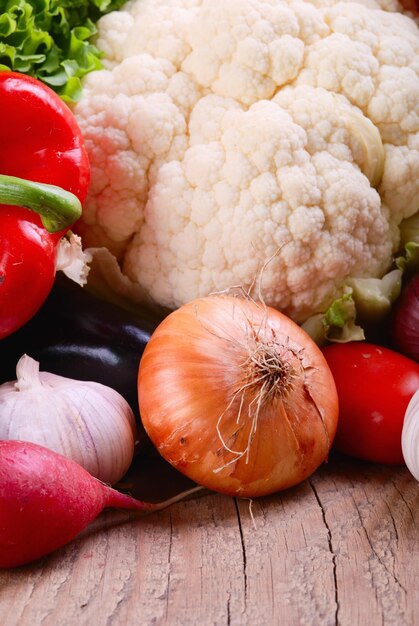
(290, 568)
(372, 514)
(342, 548)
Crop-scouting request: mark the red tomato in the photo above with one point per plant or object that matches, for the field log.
(374, 387)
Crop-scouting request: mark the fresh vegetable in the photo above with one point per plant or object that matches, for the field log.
(58, 209)
(84, 421)
(374, 385)
(410, 435)
(337, 323)
(79, 334)
(405, 321)
(411, 5)
(47, 499)
(223, 134)
(409, 233)
(236, 396)
(28, 254)
(29, 148)
(364, 310)
(52, 40)
(41, 172)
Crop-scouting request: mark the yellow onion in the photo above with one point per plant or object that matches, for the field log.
(237, 396)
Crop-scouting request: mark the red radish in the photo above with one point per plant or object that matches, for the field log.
(47, 499)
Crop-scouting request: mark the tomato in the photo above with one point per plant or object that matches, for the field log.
(374, 386)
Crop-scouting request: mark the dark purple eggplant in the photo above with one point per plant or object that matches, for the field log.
(80, 335)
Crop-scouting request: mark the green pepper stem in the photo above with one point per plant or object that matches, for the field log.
(58, 208)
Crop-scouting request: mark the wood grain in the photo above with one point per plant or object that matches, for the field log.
(342, 548)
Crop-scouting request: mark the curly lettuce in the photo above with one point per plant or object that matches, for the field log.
(52, 40)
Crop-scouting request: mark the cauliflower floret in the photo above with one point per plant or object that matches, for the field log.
(135, 30)
(374, 62)
(131, 125)
(225, 135)
(245, 48)
(242, 196)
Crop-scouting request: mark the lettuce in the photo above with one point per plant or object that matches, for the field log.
(52, 40)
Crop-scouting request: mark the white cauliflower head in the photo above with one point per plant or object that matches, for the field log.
(227, 137)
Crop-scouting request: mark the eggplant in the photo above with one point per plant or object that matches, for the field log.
(78, 334)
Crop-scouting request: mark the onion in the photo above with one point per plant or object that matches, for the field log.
(410, 435)
(405, 323)
(237, 396)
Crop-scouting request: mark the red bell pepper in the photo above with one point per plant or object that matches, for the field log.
(44, 176)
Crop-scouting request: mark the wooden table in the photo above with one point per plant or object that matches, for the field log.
(341, 548)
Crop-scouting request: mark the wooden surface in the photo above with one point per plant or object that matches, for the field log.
(342, 548)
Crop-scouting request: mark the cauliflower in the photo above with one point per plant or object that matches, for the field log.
(229, 136)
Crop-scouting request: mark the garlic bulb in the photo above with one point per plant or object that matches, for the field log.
(410, 435)
(85, 421)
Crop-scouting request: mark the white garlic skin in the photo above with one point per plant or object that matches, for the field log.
(85, 421)
(410, 435)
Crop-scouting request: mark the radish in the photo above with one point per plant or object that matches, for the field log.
(47, 499)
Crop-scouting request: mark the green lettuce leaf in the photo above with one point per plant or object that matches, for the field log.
(52, 40)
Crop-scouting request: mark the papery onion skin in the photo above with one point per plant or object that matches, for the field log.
(192, 368)
(405, 323)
